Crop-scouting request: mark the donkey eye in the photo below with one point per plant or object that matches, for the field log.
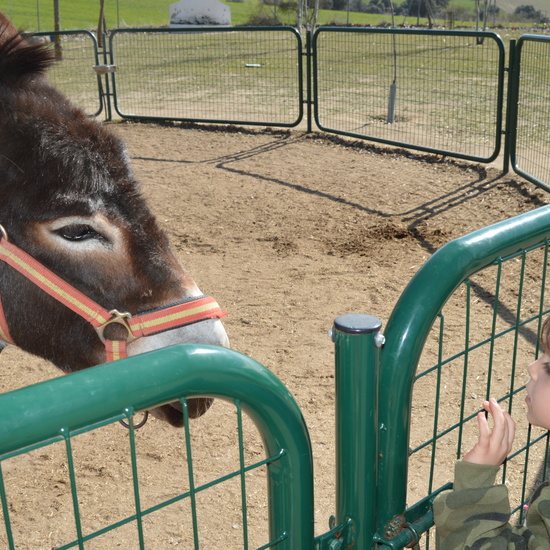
(78, 232)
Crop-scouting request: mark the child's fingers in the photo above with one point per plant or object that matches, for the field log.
(504, 427)
(483, 426)
(493, 445)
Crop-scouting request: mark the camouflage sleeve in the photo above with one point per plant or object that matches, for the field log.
(476, 514)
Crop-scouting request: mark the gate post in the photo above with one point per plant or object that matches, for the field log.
(357, 340)
(511, 108)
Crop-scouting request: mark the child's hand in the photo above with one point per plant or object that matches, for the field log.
(494, 446)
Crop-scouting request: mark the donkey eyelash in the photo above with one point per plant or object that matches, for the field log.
(79, 232)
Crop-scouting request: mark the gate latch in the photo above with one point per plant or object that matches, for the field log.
(105, 69)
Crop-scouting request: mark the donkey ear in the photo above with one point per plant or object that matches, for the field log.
(18, 58)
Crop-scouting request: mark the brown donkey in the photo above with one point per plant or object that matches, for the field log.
(77, 239)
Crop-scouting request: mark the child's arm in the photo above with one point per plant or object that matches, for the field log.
(476, 513)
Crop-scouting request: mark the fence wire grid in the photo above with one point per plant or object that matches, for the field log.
(436, 91)
(441, 92)
(248, 77)
(531, 146)
(479, 347)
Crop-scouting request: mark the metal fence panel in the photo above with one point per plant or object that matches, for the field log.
(59, 411)
(436, 91)
(488, 288)
(530, 147)
(237, 76)
(73, 72)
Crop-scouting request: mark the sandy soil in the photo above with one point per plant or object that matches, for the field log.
(287, 231)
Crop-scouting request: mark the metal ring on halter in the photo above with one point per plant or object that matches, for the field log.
(119, 319)
(3, 232)
(139, 424)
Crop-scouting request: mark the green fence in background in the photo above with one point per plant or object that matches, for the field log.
(238, 76)
(531, 110)
(77, 54)
(443, 92)
(464, 329)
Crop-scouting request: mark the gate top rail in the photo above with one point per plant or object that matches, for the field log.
(427, 32)
(190, 30)
(412, 319)
(533, 38)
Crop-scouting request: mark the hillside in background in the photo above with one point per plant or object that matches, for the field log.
(511, 5)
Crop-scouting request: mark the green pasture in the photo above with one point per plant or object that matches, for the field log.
(35, 15)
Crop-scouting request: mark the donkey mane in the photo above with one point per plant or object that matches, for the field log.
(19, 59)
(50, 147)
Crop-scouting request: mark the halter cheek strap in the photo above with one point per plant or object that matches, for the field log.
(145, 324)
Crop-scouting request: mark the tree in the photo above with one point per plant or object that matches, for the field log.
(528, 12)
(57, 27)
(421, 8)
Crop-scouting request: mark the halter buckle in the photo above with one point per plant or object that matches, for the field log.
(120, 319)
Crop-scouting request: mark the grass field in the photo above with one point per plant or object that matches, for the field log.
(34, 15)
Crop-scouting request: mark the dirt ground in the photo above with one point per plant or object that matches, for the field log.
(287, 231)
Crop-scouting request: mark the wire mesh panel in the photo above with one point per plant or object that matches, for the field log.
(250, 76)
(438, 91)
(73, 73)
(238, 477)
(531, 145)
(497, 316)
(478, 307)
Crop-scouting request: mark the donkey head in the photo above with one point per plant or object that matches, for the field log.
(69, 199)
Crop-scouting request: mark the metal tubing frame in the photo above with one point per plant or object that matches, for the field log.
(76, 402)
(299, 68)
(408, 328)
(513, 101)
(431, 32)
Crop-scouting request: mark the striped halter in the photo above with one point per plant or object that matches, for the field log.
(145, 324)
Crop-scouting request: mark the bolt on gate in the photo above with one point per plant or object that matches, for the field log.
(463, 330)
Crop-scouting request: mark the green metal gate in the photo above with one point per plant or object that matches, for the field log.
(436, 91)
(63, 408)
(229, 75)
(77, 54)
(530, 103)
(495, 279)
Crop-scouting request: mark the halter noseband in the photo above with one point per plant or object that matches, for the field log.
(145, 324)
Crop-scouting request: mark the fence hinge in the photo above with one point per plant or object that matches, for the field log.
(105, 69)
(404, 530)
